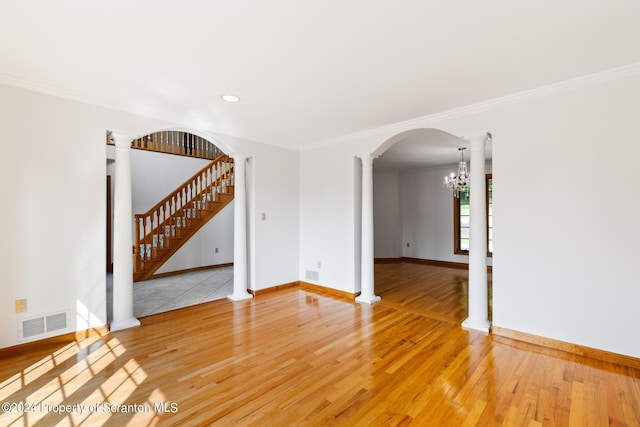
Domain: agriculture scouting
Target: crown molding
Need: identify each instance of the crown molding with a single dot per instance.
(394, 128)
(519, 97)
(60, 92)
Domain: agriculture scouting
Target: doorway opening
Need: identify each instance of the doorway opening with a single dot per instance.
(414, 224)
(187, 183)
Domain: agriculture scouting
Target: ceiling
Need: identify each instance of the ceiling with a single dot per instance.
(307, 72)
(426, 148)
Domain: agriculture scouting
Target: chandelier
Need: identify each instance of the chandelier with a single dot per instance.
(458, 183)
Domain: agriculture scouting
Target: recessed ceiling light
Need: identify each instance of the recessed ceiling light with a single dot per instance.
(230, 98)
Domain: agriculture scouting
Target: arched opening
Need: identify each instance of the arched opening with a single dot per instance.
(415, 227)
(188, 226)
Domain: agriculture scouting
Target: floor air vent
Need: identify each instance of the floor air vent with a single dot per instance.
(37, 326)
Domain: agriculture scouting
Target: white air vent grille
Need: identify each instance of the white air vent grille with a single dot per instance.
(33, 327)
(312, 275)
(43, 325)
(57, 321)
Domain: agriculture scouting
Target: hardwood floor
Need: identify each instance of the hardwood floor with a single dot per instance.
(294, 357)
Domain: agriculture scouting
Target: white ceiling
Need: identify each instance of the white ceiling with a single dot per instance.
(426, 148)
(307, 71)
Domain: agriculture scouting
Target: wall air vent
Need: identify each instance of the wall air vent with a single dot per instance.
(32, 327)
(56, 322)
(41, 326)
(312, 275)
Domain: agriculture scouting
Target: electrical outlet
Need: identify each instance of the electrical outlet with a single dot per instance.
(408, 244)
(21, 305)
(216, 250)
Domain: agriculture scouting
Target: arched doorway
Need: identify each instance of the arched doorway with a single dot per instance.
(189, 142)
(409, 171)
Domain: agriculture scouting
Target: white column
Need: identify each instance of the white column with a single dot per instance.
(239, 231)
(478, 319)
(367, 292)
(122, 238)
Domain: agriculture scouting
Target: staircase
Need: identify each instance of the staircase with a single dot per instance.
(161, 231)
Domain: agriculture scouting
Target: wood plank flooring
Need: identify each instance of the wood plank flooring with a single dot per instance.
(294, 357)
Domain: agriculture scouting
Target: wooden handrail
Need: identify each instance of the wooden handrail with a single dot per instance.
(176, 142)
(191, 179)
(164, 221)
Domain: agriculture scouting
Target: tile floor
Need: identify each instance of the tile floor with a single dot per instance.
(182, 290)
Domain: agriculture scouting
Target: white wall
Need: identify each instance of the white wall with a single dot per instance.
(274, 190)
(52, 179)
(565, 243)
(412, 207)
(427, 212)
(154, 175)
(327, 218)
(357, 222)
(566, 247)
(387, 225)
(199, 251)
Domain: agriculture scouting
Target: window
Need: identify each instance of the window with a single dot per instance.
(461, 221)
